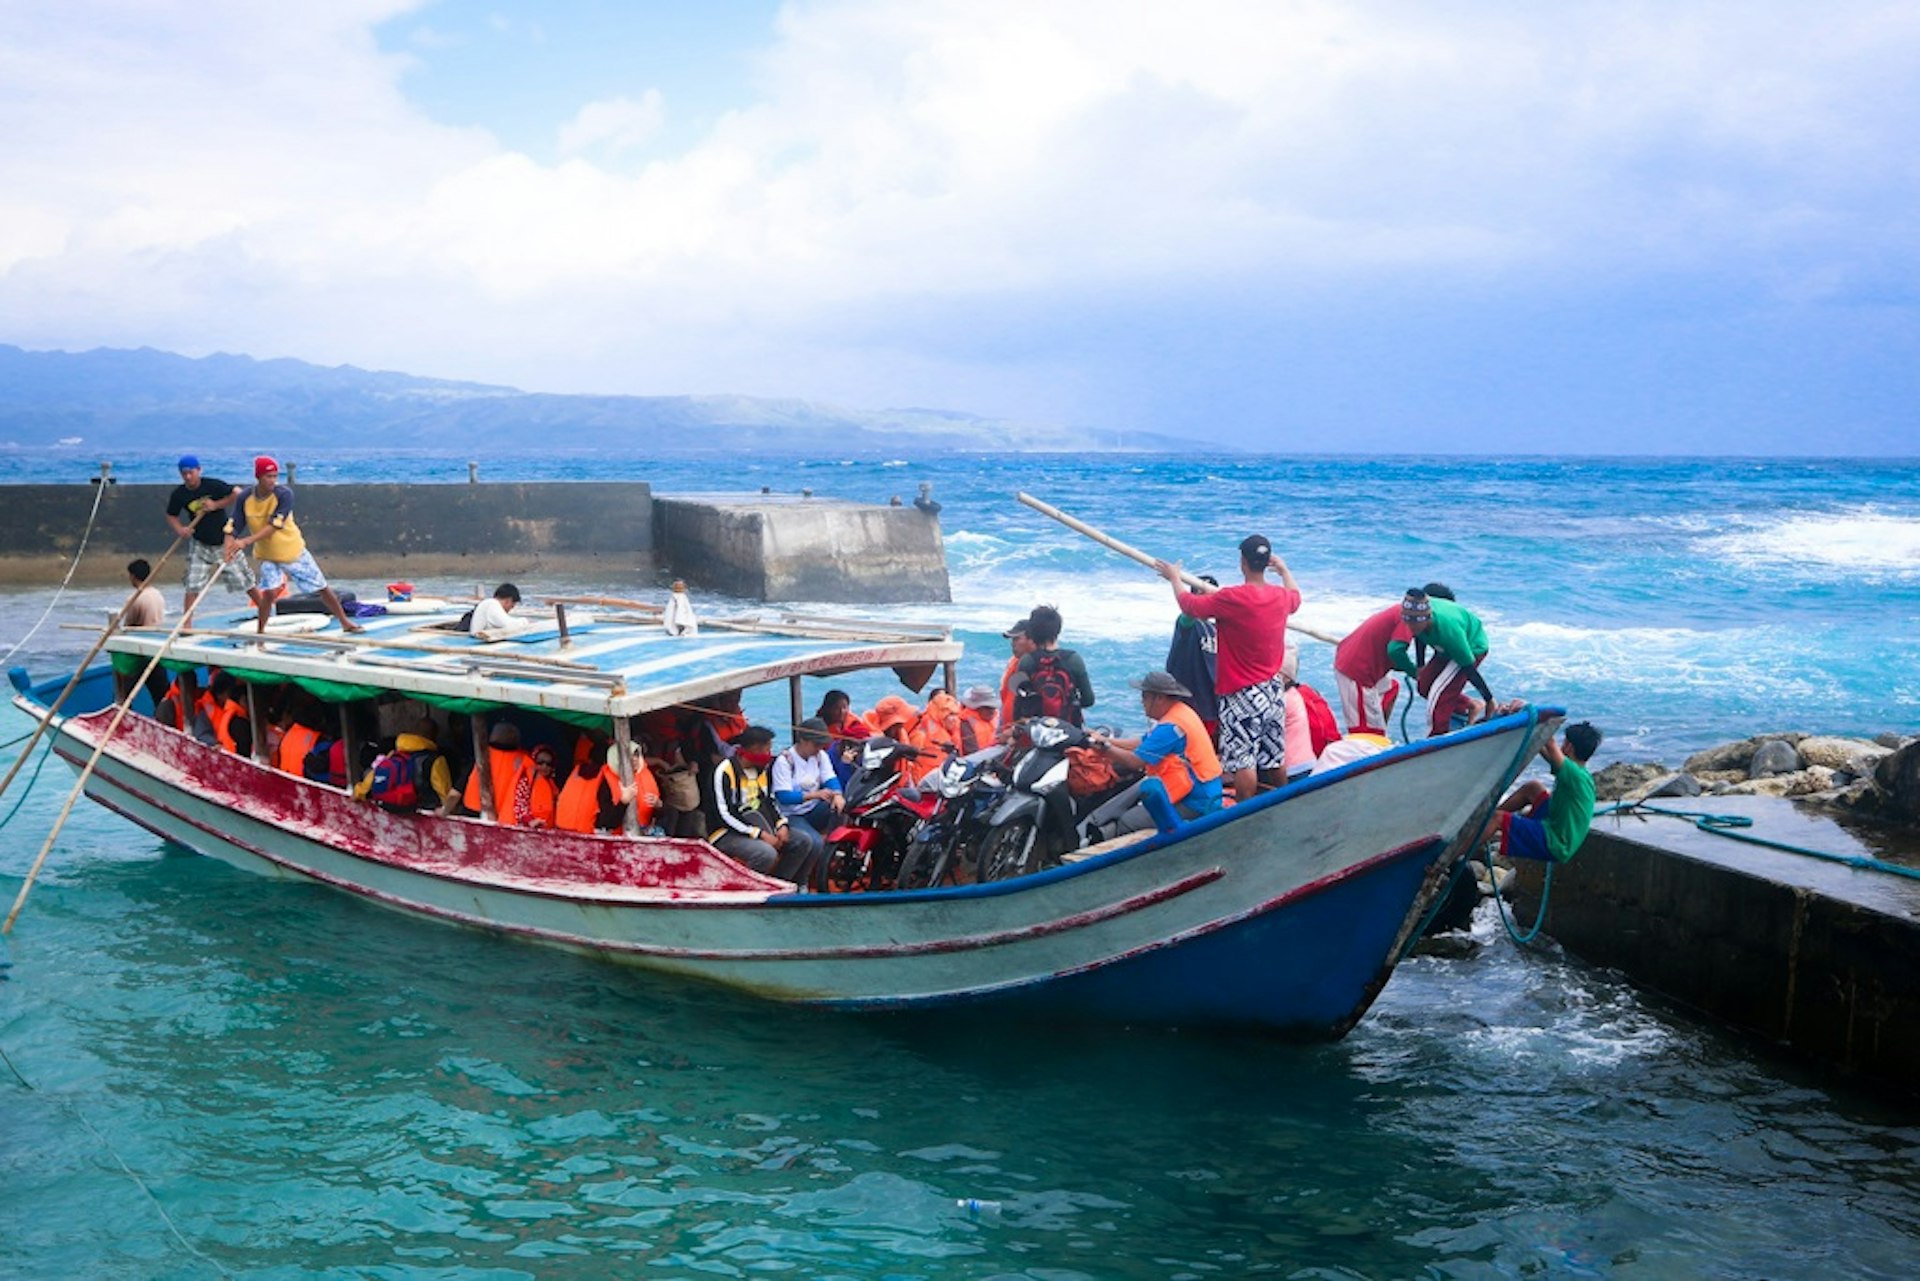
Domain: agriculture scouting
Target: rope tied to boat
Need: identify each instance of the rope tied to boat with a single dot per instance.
(1732, 826)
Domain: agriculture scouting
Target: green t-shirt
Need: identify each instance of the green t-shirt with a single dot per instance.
(1456, 632)
(1571, 813)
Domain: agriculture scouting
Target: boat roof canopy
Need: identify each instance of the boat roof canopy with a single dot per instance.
(611, 665)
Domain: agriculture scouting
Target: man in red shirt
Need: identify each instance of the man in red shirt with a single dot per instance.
(1251, 619)
(1363, 670)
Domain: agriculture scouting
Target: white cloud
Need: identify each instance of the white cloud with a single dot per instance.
(222, 174)
(613, 126)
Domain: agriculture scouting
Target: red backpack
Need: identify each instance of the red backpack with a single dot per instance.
(1049, 690)
(1320, 722)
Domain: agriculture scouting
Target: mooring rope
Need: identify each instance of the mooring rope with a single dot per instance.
(99, 492)
(1729, 825)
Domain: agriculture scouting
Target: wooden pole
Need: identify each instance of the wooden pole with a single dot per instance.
(348, 757)
(259, 730)
(560, 618)
(120, 714)
(74, 680)
(1134, 553)
(484, 764)
(796, 705)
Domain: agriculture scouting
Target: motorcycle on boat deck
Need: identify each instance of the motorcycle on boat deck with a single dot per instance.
(970, 789)
(865, 851)
(1035, 822)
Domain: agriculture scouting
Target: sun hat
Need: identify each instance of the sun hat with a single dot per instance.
(983, 697)
(1161, 683)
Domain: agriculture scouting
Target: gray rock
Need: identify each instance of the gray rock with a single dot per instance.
(1890, 740)
(1731, 756)
(1621, 777)
(1670, 784)
(1897, 779)
(1770, 759)
(1799, 783)
(1837, 753)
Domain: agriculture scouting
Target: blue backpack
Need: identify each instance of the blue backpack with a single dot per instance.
(402, 779)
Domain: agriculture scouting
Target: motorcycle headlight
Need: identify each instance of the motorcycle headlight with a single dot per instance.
(952, 779)
(1048, 732)
(1052, 778)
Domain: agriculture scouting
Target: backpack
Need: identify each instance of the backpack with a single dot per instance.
(401, 780)
(318, 762)
(1049, 690)
(1320, 722)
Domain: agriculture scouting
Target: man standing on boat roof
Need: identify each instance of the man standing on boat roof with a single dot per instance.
(278, 546)
(1251, 617)
(195, 499)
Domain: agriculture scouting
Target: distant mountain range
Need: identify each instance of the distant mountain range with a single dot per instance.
(119, 398)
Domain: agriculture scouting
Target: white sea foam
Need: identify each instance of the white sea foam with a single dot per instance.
(1861, 539)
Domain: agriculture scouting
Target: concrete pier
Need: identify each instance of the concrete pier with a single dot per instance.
(780, 547)
(1814, 955)
(764, 547)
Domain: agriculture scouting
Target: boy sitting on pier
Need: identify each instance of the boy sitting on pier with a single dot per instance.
(1548, 824)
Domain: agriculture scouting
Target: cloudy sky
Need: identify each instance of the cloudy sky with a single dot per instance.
(1585, 226)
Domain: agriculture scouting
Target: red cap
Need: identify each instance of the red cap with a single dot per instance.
(262, 465)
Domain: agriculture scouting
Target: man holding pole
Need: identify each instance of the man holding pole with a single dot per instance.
(279, 547)
(1252, 620)
(190, 511)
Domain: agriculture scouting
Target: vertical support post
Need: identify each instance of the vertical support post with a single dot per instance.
(623, 746)
(950, 672)
(560, 617)
(348, 757)
(796, 706)
(478, 724)
(259, 730)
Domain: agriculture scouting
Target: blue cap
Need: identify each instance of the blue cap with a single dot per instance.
(188, 460)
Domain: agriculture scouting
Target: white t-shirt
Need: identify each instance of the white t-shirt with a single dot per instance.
(792, 774)
(492, 616)
(146, 609)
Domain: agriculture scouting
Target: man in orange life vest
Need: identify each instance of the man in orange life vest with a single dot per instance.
(1183, 771)
(510, 772)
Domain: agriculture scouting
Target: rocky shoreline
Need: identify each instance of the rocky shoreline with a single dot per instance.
(1877, 777)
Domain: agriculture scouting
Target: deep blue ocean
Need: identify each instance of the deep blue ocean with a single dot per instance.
(218, 1075)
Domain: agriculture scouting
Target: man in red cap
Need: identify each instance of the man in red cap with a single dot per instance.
(278, 547)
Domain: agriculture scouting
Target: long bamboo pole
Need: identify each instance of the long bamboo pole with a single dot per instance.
(120, 714)
(73, 681)
(1134, 553)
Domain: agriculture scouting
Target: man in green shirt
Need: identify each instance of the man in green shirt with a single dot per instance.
(1548, 824)
(1460, 645)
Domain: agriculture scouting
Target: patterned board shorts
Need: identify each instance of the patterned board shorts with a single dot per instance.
(301, 571)
(1253, 726)
(204, 565)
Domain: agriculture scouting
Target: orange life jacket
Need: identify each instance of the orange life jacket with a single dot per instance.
(507, 769)
(294, 746)
(1199, 763)
(646, 792)
(221, 716)
(976, 730)
(544, 797)
(172, 711)
(1007, 684)
(579, 806)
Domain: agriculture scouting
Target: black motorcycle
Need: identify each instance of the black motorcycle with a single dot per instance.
(970, 790)
(1035, 821)
(865, 851)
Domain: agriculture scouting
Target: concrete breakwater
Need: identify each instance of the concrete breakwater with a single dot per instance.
(1773, 884)
(762, 546)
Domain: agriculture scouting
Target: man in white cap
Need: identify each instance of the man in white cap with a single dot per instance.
(1182, 770)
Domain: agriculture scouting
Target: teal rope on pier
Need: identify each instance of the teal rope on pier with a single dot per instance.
(1728, 825)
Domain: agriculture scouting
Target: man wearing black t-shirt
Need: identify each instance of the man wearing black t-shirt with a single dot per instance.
(193, 498)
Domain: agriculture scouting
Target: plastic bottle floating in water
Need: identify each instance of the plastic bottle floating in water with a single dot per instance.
(978, 1209)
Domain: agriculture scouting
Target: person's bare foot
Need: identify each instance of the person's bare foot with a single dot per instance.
(346, 625)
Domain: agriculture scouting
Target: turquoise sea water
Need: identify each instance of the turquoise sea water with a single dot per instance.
(222, 1075)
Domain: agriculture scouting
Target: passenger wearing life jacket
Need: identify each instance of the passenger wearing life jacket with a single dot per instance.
(544, 792)
(510, 774)
(846, 731)
(300, 739)
(894, 717)
(413, 777)
(1021, 644)
(591, 799)
(1182, 768)
(936, 730)
(171, 710)
(218, 714)
(975, 726)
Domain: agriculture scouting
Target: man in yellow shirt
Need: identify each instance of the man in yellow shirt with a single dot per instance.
(278, 547)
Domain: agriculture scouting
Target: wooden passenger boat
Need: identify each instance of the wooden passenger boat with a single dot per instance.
(1286, 913)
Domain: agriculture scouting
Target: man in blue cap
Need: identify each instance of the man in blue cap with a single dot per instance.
(192, 499)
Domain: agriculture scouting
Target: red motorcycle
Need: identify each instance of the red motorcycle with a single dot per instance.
(865, 851)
